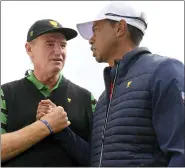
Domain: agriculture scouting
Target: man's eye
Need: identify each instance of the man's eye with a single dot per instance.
(95, 30)
(63, 45)
(50, 44)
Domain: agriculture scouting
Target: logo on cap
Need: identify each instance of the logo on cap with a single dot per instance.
(31, 33)
(54, 23)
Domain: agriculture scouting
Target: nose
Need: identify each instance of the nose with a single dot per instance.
(91, 40)
(58, 48)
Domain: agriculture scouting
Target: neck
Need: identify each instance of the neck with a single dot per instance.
(47, 79)
(119, 53)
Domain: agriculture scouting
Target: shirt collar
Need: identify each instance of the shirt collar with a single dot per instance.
(31, 77)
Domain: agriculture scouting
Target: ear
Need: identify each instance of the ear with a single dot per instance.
(28, 47)
(122, 28)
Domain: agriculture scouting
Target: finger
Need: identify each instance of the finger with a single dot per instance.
(50, 110)
(51, 107)
(40, 115)
(68, 123)
(64, 114)
(51, 103)
(60, 108)
(44, 108)
(45, 112)
(45, 101)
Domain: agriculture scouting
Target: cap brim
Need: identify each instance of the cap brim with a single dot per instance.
(67, 32)
(85, 29)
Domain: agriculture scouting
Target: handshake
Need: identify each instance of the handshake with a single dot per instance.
(55, 116)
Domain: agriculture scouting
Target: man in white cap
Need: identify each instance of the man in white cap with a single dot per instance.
(139, 118)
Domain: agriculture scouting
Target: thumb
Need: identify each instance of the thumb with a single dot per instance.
(68, 123)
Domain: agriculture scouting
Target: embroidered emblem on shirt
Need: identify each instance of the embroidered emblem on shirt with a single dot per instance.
(128, 84)
(69, 100)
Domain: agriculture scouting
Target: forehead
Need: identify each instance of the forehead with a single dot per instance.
(56, 36)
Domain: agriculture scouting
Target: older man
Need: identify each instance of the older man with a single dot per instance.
(139, 118)
(30, 143)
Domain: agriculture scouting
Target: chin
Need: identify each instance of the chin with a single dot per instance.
(99, 60)
(57, 69)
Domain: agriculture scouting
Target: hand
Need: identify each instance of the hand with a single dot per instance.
(57, 119)
(45, 106)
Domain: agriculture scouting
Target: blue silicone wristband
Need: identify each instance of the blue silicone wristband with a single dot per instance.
(47, 124)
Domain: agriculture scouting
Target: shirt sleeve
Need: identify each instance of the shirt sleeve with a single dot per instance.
(168, 110)
(3, 117)
(93, 103)
(79, 151)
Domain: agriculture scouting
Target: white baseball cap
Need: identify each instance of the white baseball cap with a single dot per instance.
(115, 11)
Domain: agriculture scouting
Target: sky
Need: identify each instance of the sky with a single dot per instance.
(164, 36)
